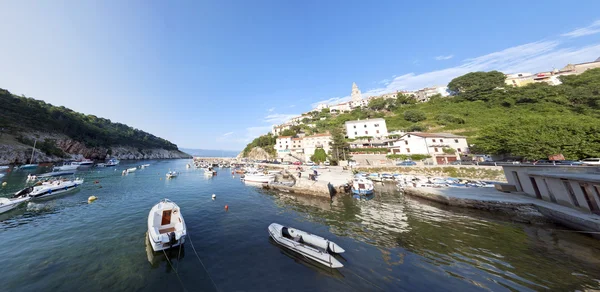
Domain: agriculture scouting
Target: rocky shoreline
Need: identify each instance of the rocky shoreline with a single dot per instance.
(14, 152)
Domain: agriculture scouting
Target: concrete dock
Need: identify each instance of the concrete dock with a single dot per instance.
(334, 175)
(491, 199)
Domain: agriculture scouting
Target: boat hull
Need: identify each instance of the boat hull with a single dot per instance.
(14, 203)
(318, 255)
(166, 227)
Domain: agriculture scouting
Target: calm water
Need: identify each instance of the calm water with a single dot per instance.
(392, 243)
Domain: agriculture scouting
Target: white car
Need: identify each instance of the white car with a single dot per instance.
(591, 161)
(309, 163)
(326, 163)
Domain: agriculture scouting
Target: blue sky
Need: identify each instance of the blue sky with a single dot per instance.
(215, 74)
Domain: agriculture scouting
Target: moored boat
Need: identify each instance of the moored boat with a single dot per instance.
(66, 166)
(112, 162)
(7, 204)
(362, 186)
(259, 177)
(49, 189)
(309, 245)
(130, 170)
(172, 174)
(166, 227)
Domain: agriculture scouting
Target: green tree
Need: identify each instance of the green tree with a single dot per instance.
(377, 104)
(288, 132)
(414, 116)
(319, 156)
(403, 99)
(339, 146)
(472, 85)
(449, 150)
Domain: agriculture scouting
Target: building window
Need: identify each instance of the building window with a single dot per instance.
(458, 150)
(365, 126)
(355, 133)
(407, 150)
(433, 140)
(455, 140)
(441, 140)
(354, 126)
(405, 142)
(376, 125)
(435, 149)
(366, 132)
(377, 131)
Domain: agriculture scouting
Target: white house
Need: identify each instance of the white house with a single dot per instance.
(322, 106)
(340, 108)
(283, 146)
(432, 144)
(424, 94)
(366, 128)
(278, 129)
(311, 143)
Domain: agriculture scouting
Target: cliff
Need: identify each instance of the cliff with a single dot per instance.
(13, 151)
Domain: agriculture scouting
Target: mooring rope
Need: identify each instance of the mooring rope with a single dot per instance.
(211, 280)
(176, 272)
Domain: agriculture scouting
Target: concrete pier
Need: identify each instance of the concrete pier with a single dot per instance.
(493, 200)
(334, 175)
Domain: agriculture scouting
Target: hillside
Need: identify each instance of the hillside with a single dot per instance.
(532, 122)
(62, 133)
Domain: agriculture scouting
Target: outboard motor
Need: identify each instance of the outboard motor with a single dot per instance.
(172, 239)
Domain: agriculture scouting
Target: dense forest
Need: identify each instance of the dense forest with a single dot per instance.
(531, 122)
(20, 114)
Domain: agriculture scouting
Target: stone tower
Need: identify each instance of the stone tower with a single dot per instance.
(356, 96)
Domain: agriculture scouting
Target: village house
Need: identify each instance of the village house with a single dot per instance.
(301, 148)
(366, 128)
(432, 144)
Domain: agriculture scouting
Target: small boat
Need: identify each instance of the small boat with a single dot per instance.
(172, 174)
(101, 165)
(187, 165)
(387, 177)
(49, 189)
(362, 186)
(4, 167)
(144, 166)
(66, 166)
(209, 172)
(374, 177)
(7, 204)
(166, 227)
(31, 165)
(309, 245)
(259, 178)
(85, 162)
(112, 162)
(130, 170)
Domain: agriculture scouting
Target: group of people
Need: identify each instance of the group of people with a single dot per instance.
(312, 176)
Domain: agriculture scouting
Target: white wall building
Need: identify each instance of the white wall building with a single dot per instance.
(423, 95)
(431, 144)
(311, 143)
(322, 106)
(283, 146)
(278, 129)
(340, 108)
(366, 128)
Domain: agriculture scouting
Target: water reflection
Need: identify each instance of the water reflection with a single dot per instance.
(472, 246)
(173, 255)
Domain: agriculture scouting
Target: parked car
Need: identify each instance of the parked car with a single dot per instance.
(276, 162)
(309, 163)
(297, 163)
(406, 163)
(591, 161)
(286, 163)
(326, 163)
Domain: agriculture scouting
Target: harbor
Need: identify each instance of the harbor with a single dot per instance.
(392, 241)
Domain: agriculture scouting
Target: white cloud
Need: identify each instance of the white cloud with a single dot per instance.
(440, 58)
(593, 28)
(227, 134)
(278, 118)
(271, 109)
(291, 106)
(333, 100)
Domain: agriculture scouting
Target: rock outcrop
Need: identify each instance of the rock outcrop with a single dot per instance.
(257, 153)
(13, 152)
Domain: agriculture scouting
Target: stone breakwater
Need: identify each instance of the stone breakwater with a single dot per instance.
(332, 178)
(12, 151)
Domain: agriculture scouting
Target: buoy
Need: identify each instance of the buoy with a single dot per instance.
(226, 208)
(92, 198)
(4, 184)
(97, 182)
(214, 196)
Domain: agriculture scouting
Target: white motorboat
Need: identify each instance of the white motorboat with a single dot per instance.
(66, 166)
(374, 177)
(172, 174)
(31, 165)
(362, 186)
(4, 167)
(209, 172)
(112, 162)
(259, 177)
(49, 189)
(309, 245)
(144, 166)
(7, 204)
(85, 162)
(166, 227)
(1, 175)
(130, 170)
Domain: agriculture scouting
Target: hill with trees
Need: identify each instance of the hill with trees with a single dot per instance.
(531, 122)
(21, 117)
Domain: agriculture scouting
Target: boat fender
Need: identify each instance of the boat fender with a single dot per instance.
(4, 184)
